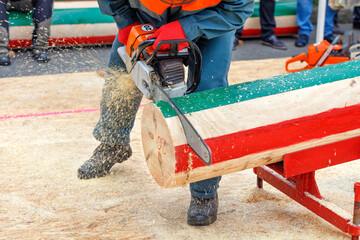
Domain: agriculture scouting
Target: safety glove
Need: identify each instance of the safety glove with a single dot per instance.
(170, 31)
(123, 33)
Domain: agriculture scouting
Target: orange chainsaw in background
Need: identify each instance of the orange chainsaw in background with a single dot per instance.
(325, 53)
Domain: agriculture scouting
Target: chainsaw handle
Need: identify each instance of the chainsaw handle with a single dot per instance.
(192, 48)
(197, 65)
(299, 58)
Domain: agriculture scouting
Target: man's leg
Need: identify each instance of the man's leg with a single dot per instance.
(119, 104)
(356, 19)
(41, 34)
(238, 34)
(337, 29)
(4, 34)
(267, 21)
(216, 55)
(303, 14)
(329, 23)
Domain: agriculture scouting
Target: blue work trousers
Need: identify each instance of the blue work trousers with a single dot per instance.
(121, 99)
(303, 14)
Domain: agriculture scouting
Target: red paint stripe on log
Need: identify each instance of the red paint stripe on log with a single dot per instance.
(92, 40)
(274, 136)
(255, 32)
(66, 41)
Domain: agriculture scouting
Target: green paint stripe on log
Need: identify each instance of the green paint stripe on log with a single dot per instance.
(93, 15)
(260, 88)
(64, 16)
(281, 9)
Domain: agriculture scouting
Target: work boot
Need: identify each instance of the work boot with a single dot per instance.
(103, 158)
(302, 41)
(338, 30)
(40, 55)
(202, 211)
(274, 42)
(40, 39)
(356, 25)
(4, 51)
(330, 38)
(4, 59)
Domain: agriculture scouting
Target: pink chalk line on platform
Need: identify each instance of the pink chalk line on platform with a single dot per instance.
(52, 113)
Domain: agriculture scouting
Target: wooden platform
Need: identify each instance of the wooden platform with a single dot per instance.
(46, 127)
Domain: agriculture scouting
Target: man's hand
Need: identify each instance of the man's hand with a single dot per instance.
(170, 31)
(123, 33)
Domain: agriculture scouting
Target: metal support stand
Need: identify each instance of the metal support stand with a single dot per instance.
(295, 177)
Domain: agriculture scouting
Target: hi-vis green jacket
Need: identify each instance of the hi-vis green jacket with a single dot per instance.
(198, 18)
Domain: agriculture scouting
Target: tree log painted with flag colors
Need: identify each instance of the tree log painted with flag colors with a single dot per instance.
(82, 23)
(253, 123)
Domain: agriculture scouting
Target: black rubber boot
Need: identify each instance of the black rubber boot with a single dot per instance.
(103, 158)
(40, 56)
(4, 59)
(4, 51)
(202, 212)
(302, 41)
(40, 39)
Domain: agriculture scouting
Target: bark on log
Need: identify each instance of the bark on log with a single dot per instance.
(252, 124)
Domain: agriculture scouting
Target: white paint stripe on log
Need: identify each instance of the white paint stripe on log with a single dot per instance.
(281, 21)
(268, 110)
(75, 4)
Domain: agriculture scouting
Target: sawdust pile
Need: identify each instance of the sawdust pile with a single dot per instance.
(42, 198)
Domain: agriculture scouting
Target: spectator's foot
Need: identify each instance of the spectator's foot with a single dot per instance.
(274, 42)
(104, 157)
(330, 38)
(4, 59)
(202, 211)
(40, 56)
(302, 41)
(237, 42)
(356, 25)
(337, 30)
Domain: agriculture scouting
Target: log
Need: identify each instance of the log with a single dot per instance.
(252, 124)
(80, 22)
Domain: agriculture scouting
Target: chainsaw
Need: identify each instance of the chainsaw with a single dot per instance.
(325, 53)
(160, 75)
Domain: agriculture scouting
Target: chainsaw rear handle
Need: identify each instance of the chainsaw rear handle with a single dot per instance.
(173, 52)
(299, 58)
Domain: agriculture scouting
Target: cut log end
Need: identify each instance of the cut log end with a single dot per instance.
(158, 145)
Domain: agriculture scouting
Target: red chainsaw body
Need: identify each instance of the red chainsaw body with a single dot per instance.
(138, 34)
(313, 55)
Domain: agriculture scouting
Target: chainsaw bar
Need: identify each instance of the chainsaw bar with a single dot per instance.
(327, 52)
(193, 138)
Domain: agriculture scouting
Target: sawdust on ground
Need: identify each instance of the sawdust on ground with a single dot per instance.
(42, 198)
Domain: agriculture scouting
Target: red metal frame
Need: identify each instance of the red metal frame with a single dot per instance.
(295, 177)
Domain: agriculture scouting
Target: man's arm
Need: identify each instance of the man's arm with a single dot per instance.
(228, 15)
(120, 10)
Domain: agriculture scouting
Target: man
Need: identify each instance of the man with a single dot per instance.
(209, 23)
(356, 17)
(42, 12)
(303, 14)
(268, 24)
